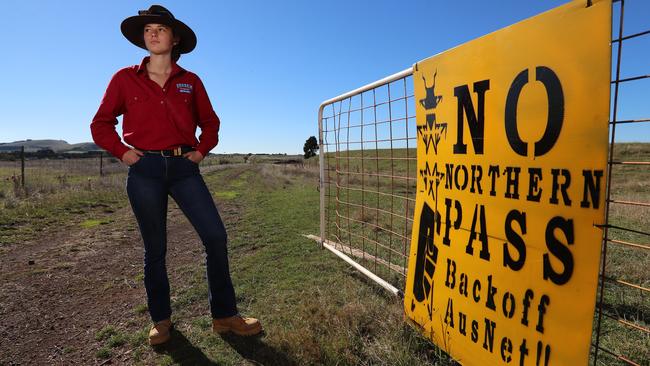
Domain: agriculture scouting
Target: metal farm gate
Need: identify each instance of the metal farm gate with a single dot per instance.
(368, 173)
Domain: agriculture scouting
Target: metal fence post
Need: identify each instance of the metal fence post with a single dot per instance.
(22, 166)
(321, 181)
(101, 163)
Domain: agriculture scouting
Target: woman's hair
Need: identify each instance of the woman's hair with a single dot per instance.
(176, 54)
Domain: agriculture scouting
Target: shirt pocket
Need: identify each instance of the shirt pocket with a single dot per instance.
(182, 108)
(182, 100)
(135, 101)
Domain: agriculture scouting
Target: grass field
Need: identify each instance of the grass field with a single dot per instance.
(626, 264)
(315, 308)
(353, 220)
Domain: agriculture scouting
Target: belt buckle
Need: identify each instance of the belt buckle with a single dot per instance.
(174, 152)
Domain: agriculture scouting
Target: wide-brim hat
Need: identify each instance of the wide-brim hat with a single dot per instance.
(133, 28)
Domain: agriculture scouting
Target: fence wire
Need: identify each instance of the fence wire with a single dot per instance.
(368, 149)
(621, 331)
(368, 141)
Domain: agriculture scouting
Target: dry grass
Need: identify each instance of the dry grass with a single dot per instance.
(368, 226)
(323, 312)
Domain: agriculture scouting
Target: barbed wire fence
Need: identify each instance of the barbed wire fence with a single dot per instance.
(26, 172)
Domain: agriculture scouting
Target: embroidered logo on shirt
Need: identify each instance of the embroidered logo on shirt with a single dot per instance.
(184, 88)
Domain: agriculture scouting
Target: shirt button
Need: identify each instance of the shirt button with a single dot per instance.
(164, 89)
(161, 102)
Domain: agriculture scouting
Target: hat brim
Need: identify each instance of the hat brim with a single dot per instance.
(133, 29)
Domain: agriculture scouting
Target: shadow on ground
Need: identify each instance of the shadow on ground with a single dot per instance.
(184, 353)
(254, 349)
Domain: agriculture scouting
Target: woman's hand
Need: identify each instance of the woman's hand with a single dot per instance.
(132, 156)
(195, 156)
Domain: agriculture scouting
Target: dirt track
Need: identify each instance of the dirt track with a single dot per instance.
(58, 291)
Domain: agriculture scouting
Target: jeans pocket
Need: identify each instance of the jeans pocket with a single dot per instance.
(137, 162)
(191, 161)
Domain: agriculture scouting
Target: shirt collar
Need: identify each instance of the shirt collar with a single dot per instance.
(175, 68)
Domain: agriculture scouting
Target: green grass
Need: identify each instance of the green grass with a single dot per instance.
(103, 353)
(117, 340)
(105, 333)
(226, 195)
(53, 201)
(111, 337)
(314, 307)
(54, 210)
(628, 264)
(94, 222)
(141, 309)
(348, 224)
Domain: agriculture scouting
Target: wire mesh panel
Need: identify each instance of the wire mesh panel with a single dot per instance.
(369, 149)
(368, 186)
(621, 329)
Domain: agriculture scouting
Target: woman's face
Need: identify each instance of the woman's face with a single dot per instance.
(159, 38)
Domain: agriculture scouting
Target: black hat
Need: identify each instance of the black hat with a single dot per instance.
(133, 27)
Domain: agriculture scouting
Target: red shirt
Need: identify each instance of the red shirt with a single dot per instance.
(155, 118)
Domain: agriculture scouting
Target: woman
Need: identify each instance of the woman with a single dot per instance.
(162, 105)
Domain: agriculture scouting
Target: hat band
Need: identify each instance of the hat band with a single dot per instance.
(159, 13)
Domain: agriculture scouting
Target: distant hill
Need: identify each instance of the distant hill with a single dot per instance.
(58, 146)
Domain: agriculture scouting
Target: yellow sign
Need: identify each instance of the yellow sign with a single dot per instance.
(512, 146)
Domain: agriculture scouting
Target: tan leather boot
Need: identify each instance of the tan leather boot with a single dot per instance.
(160, 332)
(238, 325)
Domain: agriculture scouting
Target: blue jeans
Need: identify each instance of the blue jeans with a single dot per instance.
(150, 180)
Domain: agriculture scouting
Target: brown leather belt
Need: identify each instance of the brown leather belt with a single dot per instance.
(179, 151)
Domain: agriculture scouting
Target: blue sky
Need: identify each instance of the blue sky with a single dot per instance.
(267, 65)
